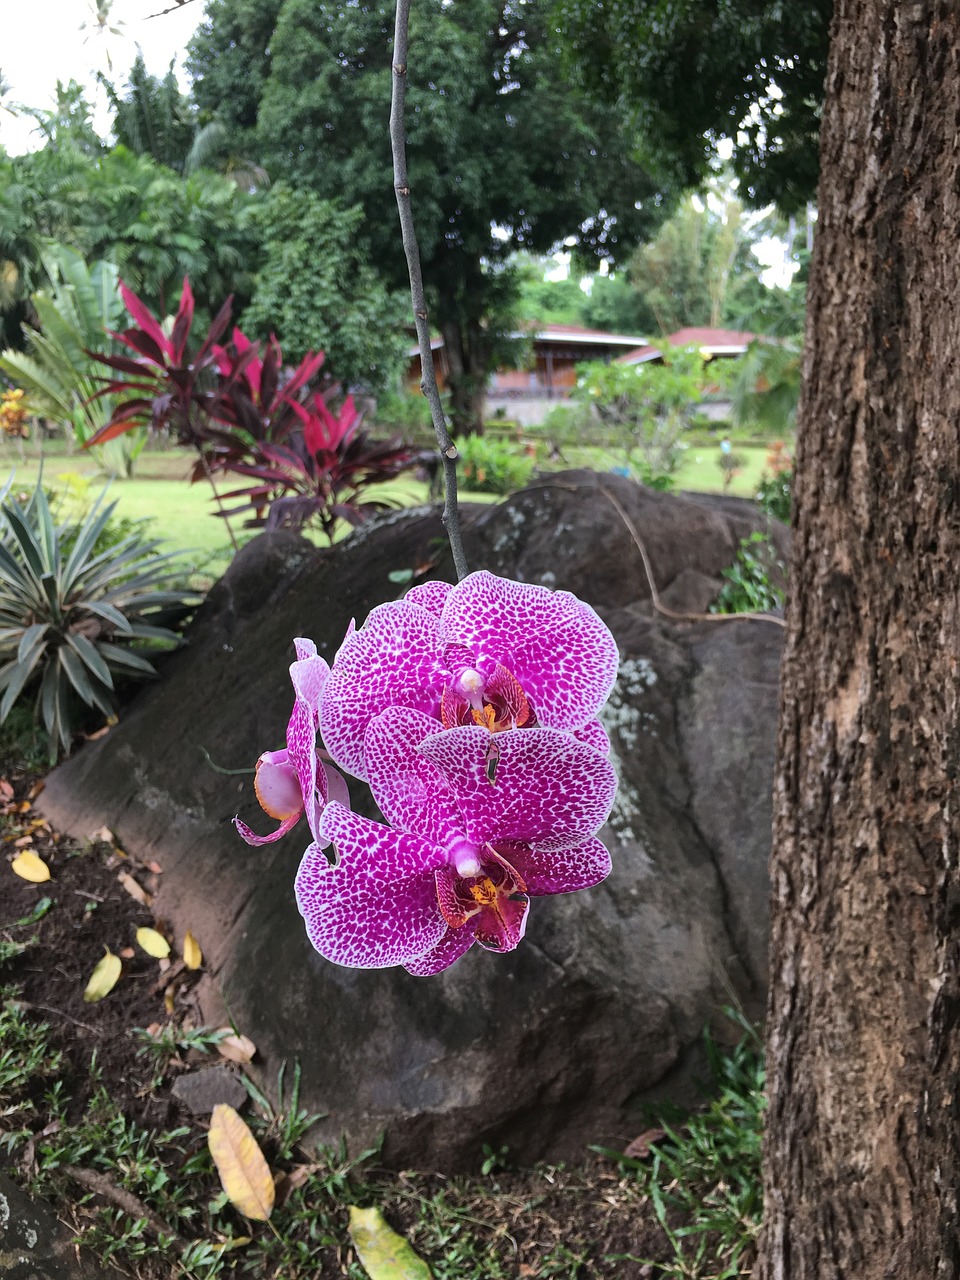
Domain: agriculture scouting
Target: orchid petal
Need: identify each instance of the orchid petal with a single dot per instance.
(564, 656)
(566, 871)
(448, 951)
(309, 674)
(429, 595)
(412, 793)
(378, 906)
(277, 787)
(336, 785)
(251, 837)
(548, 786)
(595, 735)
(391, 661)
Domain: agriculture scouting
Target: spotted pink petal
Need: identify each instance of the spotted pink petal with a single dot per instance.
(448, 951)
(378, 906)
(250, 836)
(429, 595)
(392, 661)
(565, 871)
(308, 674)
(595, 735)
(412, 793)
(548, 786)
(557, 647)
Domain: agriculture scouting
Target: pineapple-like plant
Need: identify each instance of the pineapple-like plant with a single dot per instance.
(75, 613)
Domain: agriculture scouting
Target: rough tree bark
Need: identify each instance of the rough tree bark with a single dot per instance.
(863, 1146)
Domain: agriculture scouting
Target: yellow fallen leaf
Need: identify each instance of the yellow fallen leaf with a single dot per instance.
(383, 1254)
(192, 955)
(236, 1048)
(30, 866)
(243, 1171)
(153, 943)
(103, 979)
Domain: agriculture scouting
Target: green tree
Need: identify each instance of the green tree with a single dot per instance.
(152, 117)
(315, 291)
(691, 271)
(502, 154)
(693, 71)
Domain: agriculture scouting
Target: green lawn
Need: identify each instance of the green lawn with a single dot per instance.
(183, 514)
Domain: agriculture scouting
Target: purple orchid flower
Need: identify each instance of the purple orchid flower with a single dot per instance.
(463, 856)
(489, 651)
(289, 782)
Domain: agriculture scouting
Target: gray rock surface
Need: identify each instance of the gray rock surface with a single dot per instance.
(35, 1245)
(604, 1004)
(201, 1091)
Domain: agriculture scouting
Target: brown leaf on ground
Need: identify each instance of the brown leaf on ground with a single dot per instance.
(134, 888)
(641, 1146)
(236, 1048)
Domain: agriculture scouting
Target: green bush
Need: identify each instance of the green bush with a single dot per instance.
(408, 413)
(492, 466)
(752, 580)
(78, 607)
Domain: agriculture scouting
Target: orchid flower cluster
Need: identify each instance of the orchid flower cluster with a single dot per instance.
(471, 712)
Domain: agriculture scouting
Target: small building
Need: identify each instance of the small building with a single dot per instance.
(527, 395)
(711, 343)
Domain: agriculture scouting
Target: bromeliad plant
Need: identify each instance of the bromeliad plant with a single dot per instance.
(471, 711)
(245, 415)
(72, 611)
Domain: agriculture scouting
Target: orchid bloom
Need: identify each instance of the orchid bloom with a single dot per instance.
(289, 782)
(489, 651)
(462, 856)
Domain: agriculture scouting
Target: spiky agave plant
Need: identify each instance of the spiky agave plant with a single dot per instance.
(70, 610)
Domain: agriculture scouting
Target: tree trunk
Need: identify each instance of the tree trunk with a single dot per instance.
(862, 1160)
(467, 374)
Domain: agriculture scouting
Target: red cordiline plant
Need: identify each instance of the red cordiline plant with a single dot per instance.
(247, 416)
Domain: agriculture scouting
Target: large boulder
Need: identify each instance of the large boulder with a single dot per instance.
(603, 1005)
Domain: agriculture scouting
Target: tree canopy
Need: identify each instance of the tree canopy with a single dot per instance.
(502, 153)
(692, 71)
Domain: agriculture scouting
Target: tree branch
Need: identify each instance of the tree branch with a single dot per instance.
(428, 382)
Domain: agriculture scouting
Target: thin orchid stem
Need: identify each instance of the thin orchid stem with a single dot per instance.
(428, 382)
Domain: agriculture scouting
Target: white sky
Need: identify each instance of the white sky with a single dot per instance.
(41, 42)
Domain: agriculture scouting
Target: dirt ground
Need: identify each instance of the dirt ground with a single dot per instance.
(100, 895)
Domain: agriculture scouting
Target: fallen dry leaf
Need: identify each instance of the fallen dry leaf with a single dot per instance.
(640, 1147)
(383, 1254)
(134, 889)
(29, 866)
(192, 955)
(103, 979)
(34, 790)
(168, 1001)
(6, 791)
(155, 867)
(236, 1048)
(153, 943)
(23, 841)
(103, 835)
(244, 1173)
(127, 953)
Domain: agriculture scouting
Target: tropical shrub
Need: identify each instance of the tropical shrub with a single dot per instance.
(77, 615)
(74, 314)
(246, 415)
(646, 408)
(493, 466)
(753, 580)
(775, 492)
